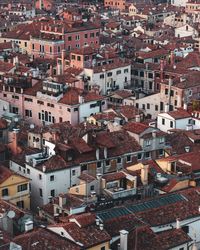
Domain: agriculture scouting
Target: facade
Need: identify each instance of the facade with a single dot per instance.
(14, 188)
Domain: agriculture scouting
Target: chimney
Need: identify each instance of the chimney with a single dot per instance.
(172, 58)
(97, 153)
(166, 108)
(137, 118)
(51, 70)
(63, 60)
(144, 174)
(105, 152)
(123, 240)
(28, 226)
(185, 106)
(177, 223)
(62, 201)
(44, 169)
(80, 99)
(101, 226)
(161, 70)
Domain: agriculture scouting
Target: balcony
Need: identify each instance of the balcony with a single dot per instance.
(116, 193)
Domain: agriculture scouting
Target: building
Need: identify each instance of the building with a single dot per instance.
(14, 188)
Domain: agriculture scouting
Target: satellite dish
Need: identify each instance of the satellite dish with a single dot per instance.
(11, 214)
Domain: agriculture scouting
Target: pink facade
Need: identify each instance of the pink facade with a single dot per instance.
(53, 39)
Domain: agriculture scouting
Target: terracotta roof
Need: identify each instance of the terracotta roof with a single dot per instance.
(86, 177)
(43, 238)
(135, 127)
(179, 114)
(89, 235)
(114, 176)
(85, 219)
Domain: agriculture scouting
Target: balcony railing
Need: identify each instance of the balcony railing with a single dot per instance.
(117, 193)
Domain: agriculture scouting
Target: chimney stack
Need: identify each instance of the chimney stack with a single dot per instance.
(144, 174)
(123, 240)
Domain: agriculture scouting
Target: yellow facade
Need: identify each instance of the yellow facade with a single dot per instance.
(24, 45)
(12, 186)
(99, 247)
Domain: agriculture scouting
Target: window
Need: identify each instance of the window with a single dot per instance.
(163, 121)
(50, 49)
(128, 158)
(101, 76)
(28, 171)
(119, 72)
(150, 85)
(4, 192)
(93, 105)
(33, 46)
(150, 75)
(109, 74)
(77, 37)
(139, 156)
(108, 163)
(28, 113)
(52, 178)
(73, 172)
(119, 160)
(125, 70)
(166, 91)
(86, 35)
(73, 57)
(40, 176)
(171, 124)
(22, 187)
(161, 140)
(147, 155)
(92, 188)
(147, 142)
(143, 106)
(53, 192)
(40, 192)
(92, 35)
(28, 99)
(161, 152)
(15, 110)
(20, 204)
(69, 38)
(98, 164)
(148, 106)
(84, 167)
(75, 109)
(156, 107)
(103, 248)
(141, 73)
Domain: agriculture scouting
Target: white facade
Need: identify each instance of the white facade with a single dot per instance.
(61, 181)
(185, 30)
(166, 122)
(179, 3)
(86, 109)
(44, 183)
(150, 104)
(109, 79)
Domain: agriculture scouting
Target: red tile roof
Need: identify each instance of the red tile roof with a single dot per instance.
(135, 127)
(114, 176)
(43, 238)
